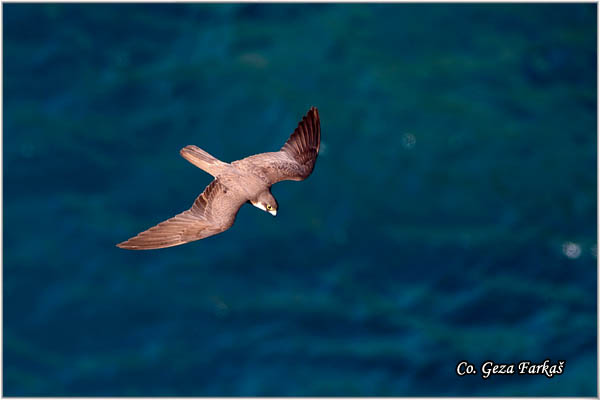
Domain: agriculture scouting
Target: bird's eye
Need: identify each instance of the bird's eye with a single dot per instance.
(269, 208)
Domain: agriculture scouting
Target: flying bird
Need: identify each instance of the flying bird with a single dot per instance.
(248, 180)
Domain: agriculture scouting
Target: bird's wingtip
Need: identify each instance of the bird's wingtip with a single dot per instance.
(122, 245)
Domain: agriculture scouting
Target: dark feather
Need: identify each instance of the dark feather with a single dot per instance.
(296, 159)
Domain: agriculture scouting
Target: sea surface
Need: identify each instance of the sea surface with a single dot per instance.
(451, 214)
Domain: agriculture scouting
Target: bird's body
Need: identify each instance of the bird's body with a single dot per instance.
(246, 180)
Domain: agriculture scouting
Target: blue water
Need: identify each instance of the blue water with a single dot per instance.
(451, 215)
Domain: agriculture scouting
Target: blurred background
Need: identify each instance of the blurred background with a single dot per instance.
(451, 215)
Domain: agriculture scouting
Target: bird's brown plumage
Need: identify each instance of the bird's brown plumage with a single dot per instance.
(214, 211)
(296, 159)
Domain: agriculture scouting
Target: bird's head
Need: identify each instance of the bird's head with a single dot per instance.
(266, 202)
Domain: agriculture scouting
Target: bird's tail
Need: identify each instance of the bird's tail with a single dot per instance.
(203, 160)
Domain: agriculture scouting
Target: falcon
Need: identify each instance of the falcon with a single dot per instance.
(248, 180)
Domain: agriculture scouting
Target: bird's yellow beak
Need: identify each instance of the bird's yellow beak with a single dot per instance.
(273, 213)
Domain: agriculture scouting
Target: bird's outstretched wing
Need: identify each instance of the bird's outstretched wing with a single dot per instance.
(213, 212)
(296, 159)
